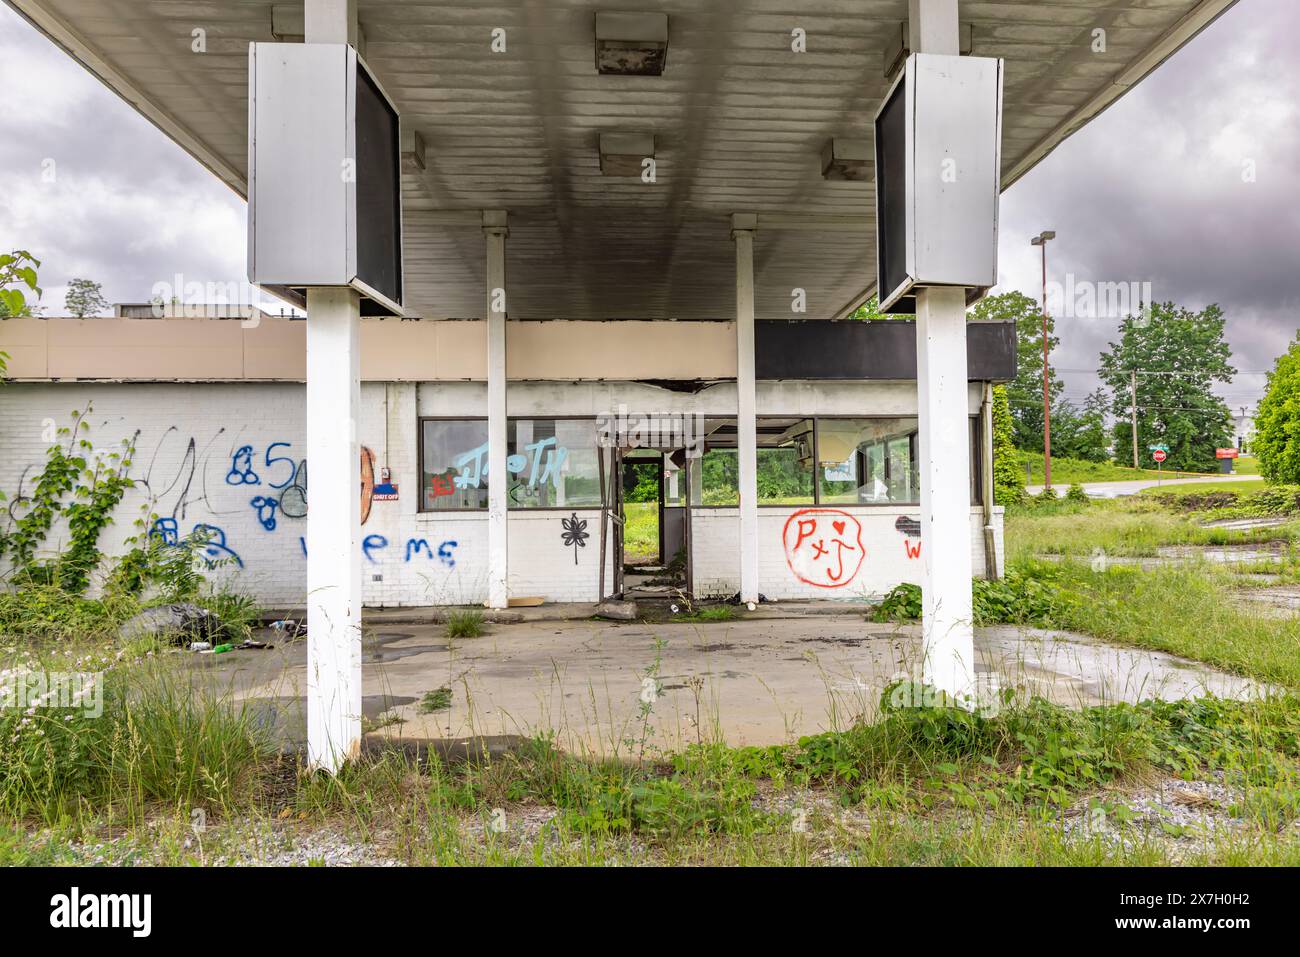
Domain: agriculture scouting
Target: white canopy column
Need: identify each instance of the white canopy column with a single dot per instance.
(334, 514)
(948, 649)
(742, 233)
(495, 233)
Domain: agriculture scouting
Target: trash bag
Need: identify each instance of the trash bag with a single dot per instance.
(178, 624)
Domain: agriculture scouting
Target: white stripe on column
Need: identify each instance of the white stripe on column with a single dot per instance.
(948, 653)
(333, 529)
(746, 405)
(495, 232)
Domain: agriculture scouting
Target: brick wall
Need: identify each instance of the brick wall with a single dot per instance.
(878, 555)
(191, 471)
(210, 453)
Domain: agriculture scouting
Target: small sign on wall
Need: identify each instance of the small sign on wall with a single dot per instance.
(385, 488)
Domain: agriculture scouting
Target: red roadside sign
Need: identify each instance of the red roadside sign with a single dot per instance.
(1159, 455)
(1226, 453)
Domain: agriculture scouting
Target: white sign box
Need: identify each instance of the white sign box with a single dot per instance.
(324, 175)
(938, 156)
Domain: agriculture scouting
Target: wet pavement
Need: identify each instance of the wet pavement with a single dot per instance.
(619, 688)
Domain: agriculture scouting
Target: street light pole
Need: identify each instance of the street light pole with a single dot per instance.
(1041, 241)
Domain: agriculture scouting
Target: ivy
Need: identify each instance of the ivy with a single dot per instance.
(1008, 482)
(90, 512)
(86, 494)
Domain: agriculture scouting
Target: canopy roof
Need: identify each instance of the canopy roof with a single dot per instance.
(739, 123)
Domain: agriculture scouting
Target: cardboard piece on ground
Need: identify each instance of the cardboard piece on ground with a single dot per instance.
(525, 602)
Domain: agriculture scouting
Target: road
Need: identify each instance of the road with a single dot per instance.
(1116, 489)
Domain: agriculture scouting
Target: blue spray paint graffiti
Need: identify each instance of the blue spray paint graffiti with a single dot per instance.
(241, 468)
(214, 550)
(416, 545)
(544, 467)
(265, 506)
(373, 543)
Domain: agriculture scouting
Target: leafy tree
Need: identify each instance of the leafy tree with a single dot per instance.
(1178, 356)
(870, 310)
(1008, 479)
(1277, 421)
(1080, 433)
(1025, 392)
(85, 298)
(17, 279)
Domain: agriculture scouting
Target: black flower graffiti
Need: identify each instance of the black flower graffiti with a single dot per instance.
(575, 533)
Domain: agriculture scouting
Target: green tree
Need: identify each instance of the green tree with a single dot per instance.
(85, 298)
(1080, 433)
(17, 279)
(1025, 392)
(1008, 479)
(1277, 421)
(870, 310)
(1178, 355)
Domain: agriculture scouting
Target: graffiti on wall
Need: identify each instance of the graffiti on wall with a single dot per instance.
(823, 546)
(574, 534)
(280, 481)
(910, 529)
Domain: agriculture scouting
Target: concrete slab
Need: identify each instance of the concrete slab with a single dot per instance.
(612, 688)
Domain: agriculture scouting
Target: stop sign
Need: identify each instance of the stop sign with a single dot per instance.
(1159, 455)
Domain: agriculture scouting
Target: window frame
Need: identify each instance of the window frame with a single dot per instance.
(419, 431)
(976, 472)
(419, 460)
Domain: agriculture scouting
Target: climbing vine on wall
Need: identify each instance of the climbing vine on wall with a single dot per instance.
(1008, 483)
(85, 487)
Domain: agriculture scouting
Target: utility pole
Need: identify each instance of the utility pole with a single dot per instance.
(1133, 410)
(1041, 241)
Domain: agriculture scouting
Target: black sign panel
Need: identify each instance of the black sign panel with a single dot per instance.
(379, 196)
(891, 199)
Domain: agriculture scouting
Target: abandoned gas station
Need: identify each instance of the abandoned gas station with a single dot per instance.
(552, 242)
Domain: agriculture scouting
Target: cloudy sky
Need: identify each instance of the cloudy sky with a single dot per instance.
(1189, 183)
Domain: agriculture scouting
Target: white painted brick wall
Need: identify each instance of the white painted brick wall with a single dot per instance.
(411, 558)
(715, 537)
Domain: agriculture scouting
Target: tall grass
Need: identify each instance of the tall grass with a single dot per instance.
(162, 739)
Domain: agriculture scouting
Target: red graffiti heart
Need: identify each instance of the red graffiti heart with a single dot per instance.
(839, 527)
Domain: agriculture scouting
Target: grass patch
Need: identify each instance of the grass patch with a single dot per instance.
(711, 613)
(1132, 527)
(160, 739)
(437, 700)
(641, 531)
(1068, 471)
(465, 624)
(1184, 610)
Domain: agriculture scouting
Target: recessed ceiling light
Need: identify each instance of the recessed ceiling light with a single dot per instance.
(622, 154)
(846, 159)
(631, 44)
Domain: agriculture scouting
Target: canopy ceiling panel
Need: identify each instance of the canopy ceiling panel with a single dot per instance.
(739, 121)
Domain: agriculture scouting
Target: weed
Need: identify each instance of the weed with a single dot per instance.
(465, 624)
(436, 700)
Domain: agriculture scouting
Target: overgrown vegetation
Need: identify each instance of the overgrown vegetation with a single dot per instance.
(164, 749)
(1277, 420)
(49, 595)
(1020, 597)
(465, 624)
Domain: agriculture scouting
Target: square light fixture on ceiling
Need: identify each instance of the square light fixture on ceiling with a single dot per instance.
(631, 44)
(847, 160)
(624, 154)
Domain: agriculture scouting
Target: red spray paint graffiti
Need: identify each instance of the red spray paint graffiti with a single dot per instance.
(823, 546)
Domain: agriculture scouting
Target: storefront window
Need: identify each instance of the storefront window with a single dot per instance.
(784, 460)
(867, 461)
(553, 463)
(453, 456)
